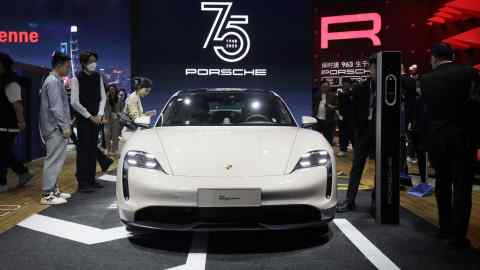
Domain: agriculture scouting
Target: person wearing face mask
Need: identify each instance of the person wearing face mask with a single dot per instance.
(88, 100)
(446, 91)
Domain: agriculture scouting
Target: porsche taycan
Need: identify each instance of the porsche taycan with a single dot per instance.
(226, 159)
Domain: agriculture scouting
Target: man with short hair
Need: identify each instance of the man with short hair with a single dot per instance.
(55, 127)
(88, 99)
(13, 122)
(446, 92)
(364, 107)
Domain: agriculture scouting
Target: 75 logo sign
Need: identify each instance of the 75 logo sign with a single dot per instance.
(229, 39)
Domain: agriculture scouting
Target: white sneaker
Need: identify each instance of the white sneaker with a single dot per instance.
(51, 199)
(341, 154)
(63, 195)
(3, 188)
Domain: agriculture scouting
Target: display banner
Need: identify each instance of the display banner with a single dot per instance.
(31, 30)
(350, 31)
(182, 44)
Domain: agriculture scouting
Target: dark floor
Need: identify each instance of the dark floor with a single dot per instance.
(410, 245)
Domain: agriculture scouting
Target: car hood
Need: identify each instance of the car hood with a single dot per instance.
(227, 151)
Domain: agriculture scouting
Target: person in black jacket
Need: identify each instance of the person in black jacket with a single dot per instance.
(345, 124)
(323, 109)
(446, 91)
(363, 120)
(13, 122)
(413, 122)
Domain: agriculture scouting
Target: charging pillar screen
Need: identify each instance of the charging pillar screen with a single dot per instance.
(387, 165)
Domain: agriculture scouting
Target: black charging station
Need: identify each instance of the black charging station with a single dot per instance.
(387, 167)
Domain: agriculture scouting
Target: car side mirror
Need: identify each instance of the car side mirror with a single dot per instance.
(308, 121)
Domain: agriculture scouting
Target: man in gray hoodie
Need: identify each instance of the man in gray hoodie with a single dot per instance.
(55, 127)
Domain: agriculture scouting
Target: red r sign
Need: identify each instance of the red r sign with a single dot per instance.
(364, 17)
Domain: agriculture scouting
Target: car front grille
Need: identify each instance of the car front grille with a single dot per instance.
(240, 216)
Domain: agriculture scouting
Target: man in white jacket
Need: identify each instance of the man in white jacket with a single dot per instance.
(88, 100)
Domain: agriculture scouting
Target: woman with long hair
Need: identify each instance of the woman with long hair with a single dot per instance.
(112, 123)
(133, 105)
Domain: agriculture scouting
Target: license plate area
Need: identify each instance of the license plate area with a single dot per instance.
(250, 197)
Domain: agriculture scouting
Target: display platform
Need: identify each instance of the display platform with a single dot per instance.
(86, 233)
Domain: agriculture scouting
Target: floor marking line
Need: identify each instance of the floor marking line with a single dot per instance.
(73, 231)
(373, 254)
(9, 207)
(197, 255)
(108, 177)
(113, 206)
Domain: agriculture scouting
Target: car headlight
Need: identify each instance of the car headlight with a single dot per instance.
(141, 159)
(313, 159)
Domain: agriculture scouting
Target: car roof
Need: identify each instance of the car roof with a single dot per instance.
(201, 90)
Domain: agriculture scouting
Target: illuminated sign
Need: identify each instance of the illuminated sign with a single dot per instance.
(230, 42)
(19, 37)
(371, 34)
(225, 72)
(336, 71)
(234, 39)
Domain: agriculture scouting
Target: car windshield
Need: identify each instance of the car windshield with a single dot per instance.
(228, 108)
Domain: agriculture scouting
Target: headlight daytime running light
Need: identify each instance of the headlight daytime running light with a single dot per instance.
(318, 158)
(313, 159)
(144, 160)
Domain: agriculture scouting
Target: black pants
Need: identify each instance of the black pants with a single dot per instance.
(7, 157)
(327, 128)
(364, 146)
(86, 151)
(415, 148)
(422, 165)
(346, 134)
(102, 159)
(453, 160)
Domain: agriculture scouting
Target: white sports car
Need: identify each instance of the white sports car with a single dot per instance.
(226, 159)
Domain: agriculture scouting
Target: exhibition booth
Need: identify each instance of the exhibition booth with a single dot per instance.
(228, 168)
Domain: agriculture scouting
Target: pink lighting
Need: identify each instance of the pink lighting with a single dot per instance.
(371, 34)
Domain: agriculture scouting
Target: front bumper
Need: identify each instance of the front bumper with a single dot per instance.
(230, 219)
(159, 201)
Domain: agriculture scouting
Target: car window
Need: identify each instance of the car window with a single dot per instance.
(242, 108)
